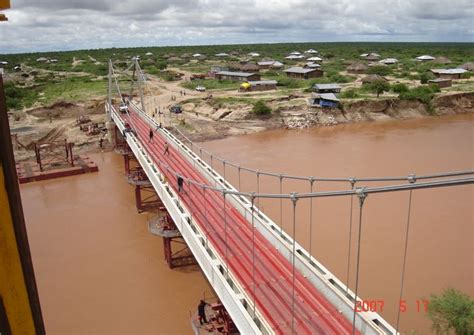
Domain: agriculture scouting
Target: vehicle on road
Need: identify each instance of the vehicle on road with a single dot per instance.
(200, 88)
(123, 108)
(176, 109)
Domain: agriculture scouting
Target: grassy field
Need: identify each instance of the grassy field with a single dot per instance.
(77, 75)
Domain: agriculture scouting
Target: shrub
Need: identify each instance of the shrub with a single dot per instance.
(399, 88)
(425, 76)
(288, 82)
(422, 93)
(452, 310)
(260, 108)
(349, 94)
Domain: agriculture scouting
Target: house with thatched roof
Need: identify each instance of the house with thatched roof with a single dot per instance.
(277, 65)
(249, 67)
(372, 56)
(175, 59)
(442, 60)
(467, 66)
(186, 55)
(357, 68)
(372, 78)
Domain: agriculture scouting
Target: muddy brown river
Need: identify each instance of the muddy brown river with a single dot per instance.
(99, 271)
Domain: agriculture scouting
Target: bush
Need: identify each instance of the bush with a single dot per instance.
(452, 310)
(260, 108)
(425, 76)
(422, 93)
(379, 87)
(18, 97)
(399, 88)
(381, 70)
(288, 82)
(349, 94)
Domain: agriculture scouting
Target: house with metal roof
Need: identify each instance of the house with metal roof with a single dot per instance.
(324, 100)
(294, 57)
(258, 85)
(310, 51)
(327, 88)
(237, 76)
(295, 53)
(277, 65)
(389, 61)
(221, 54)
(314, 59)
(253, 54)
(425, 58)
(441, 83)
(448, 73)
(303, 73)
(312, 65)
(372, 56)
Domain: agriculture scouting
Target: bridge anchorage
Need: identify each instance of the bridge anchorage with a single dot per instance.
(266, 280)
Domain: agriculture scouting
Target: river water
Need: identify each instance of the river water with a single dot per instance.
(99, 271)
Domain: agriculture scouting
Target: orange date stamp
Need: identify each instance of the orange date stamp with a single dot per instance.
(378, 306)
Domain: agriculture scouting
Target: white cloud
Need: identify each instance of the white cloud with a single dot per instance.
(38, 25)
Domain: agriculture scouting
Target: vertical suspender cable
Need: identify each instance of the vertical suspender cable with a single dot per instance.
(294, 199)
(205, 214)
(311, 180)
(362, 196)
(281, 204)
(258, 188)
(404, 257)
(223, 163)
(240, 190)
(253, 252)
(225, 235)
(349, 244)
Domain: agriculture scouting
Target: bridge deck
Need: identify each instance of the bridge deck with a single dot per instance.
(314, 314)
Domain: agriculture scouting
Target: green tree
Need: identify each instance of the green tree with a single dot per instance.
(425, 76)
(379, 87)
(452, 310)
(381, 70)
(399, 88)
(260, 108)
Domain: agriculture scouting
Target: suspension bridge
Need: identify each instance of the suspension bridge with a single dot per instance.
(268, 283)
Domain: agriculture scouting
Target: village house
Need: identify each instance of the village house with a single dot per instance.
(467, 66)
(265, 64)
(370, 56)
(249, 67)
(389, 61)
(448, 73)
(424, 58)
(372, 79)
(237, 76)
(260, 85)
(3, 62)
(327, 88)
(441, 83)
(295, 53)
(324, 100)
(222, 54)
(315, 59)
(310, 51)
(357, 68)
(302, 73)
(311, 65)
(277, 65)
(253, 54)
(294, 57)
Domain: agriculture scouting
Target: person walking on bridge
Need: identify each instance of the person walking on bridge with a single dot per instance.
(180, 183)
(151, 135)
(167, 150)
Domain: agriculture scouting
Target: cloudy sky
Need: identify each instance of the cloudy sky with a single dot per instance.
(44, 25)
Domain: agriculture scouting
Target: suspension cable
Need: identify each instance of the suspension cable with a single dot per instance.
(311, 181)
(402, 281)
(350, 239)
(294, 199)
(362, 196)
(253, 252)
